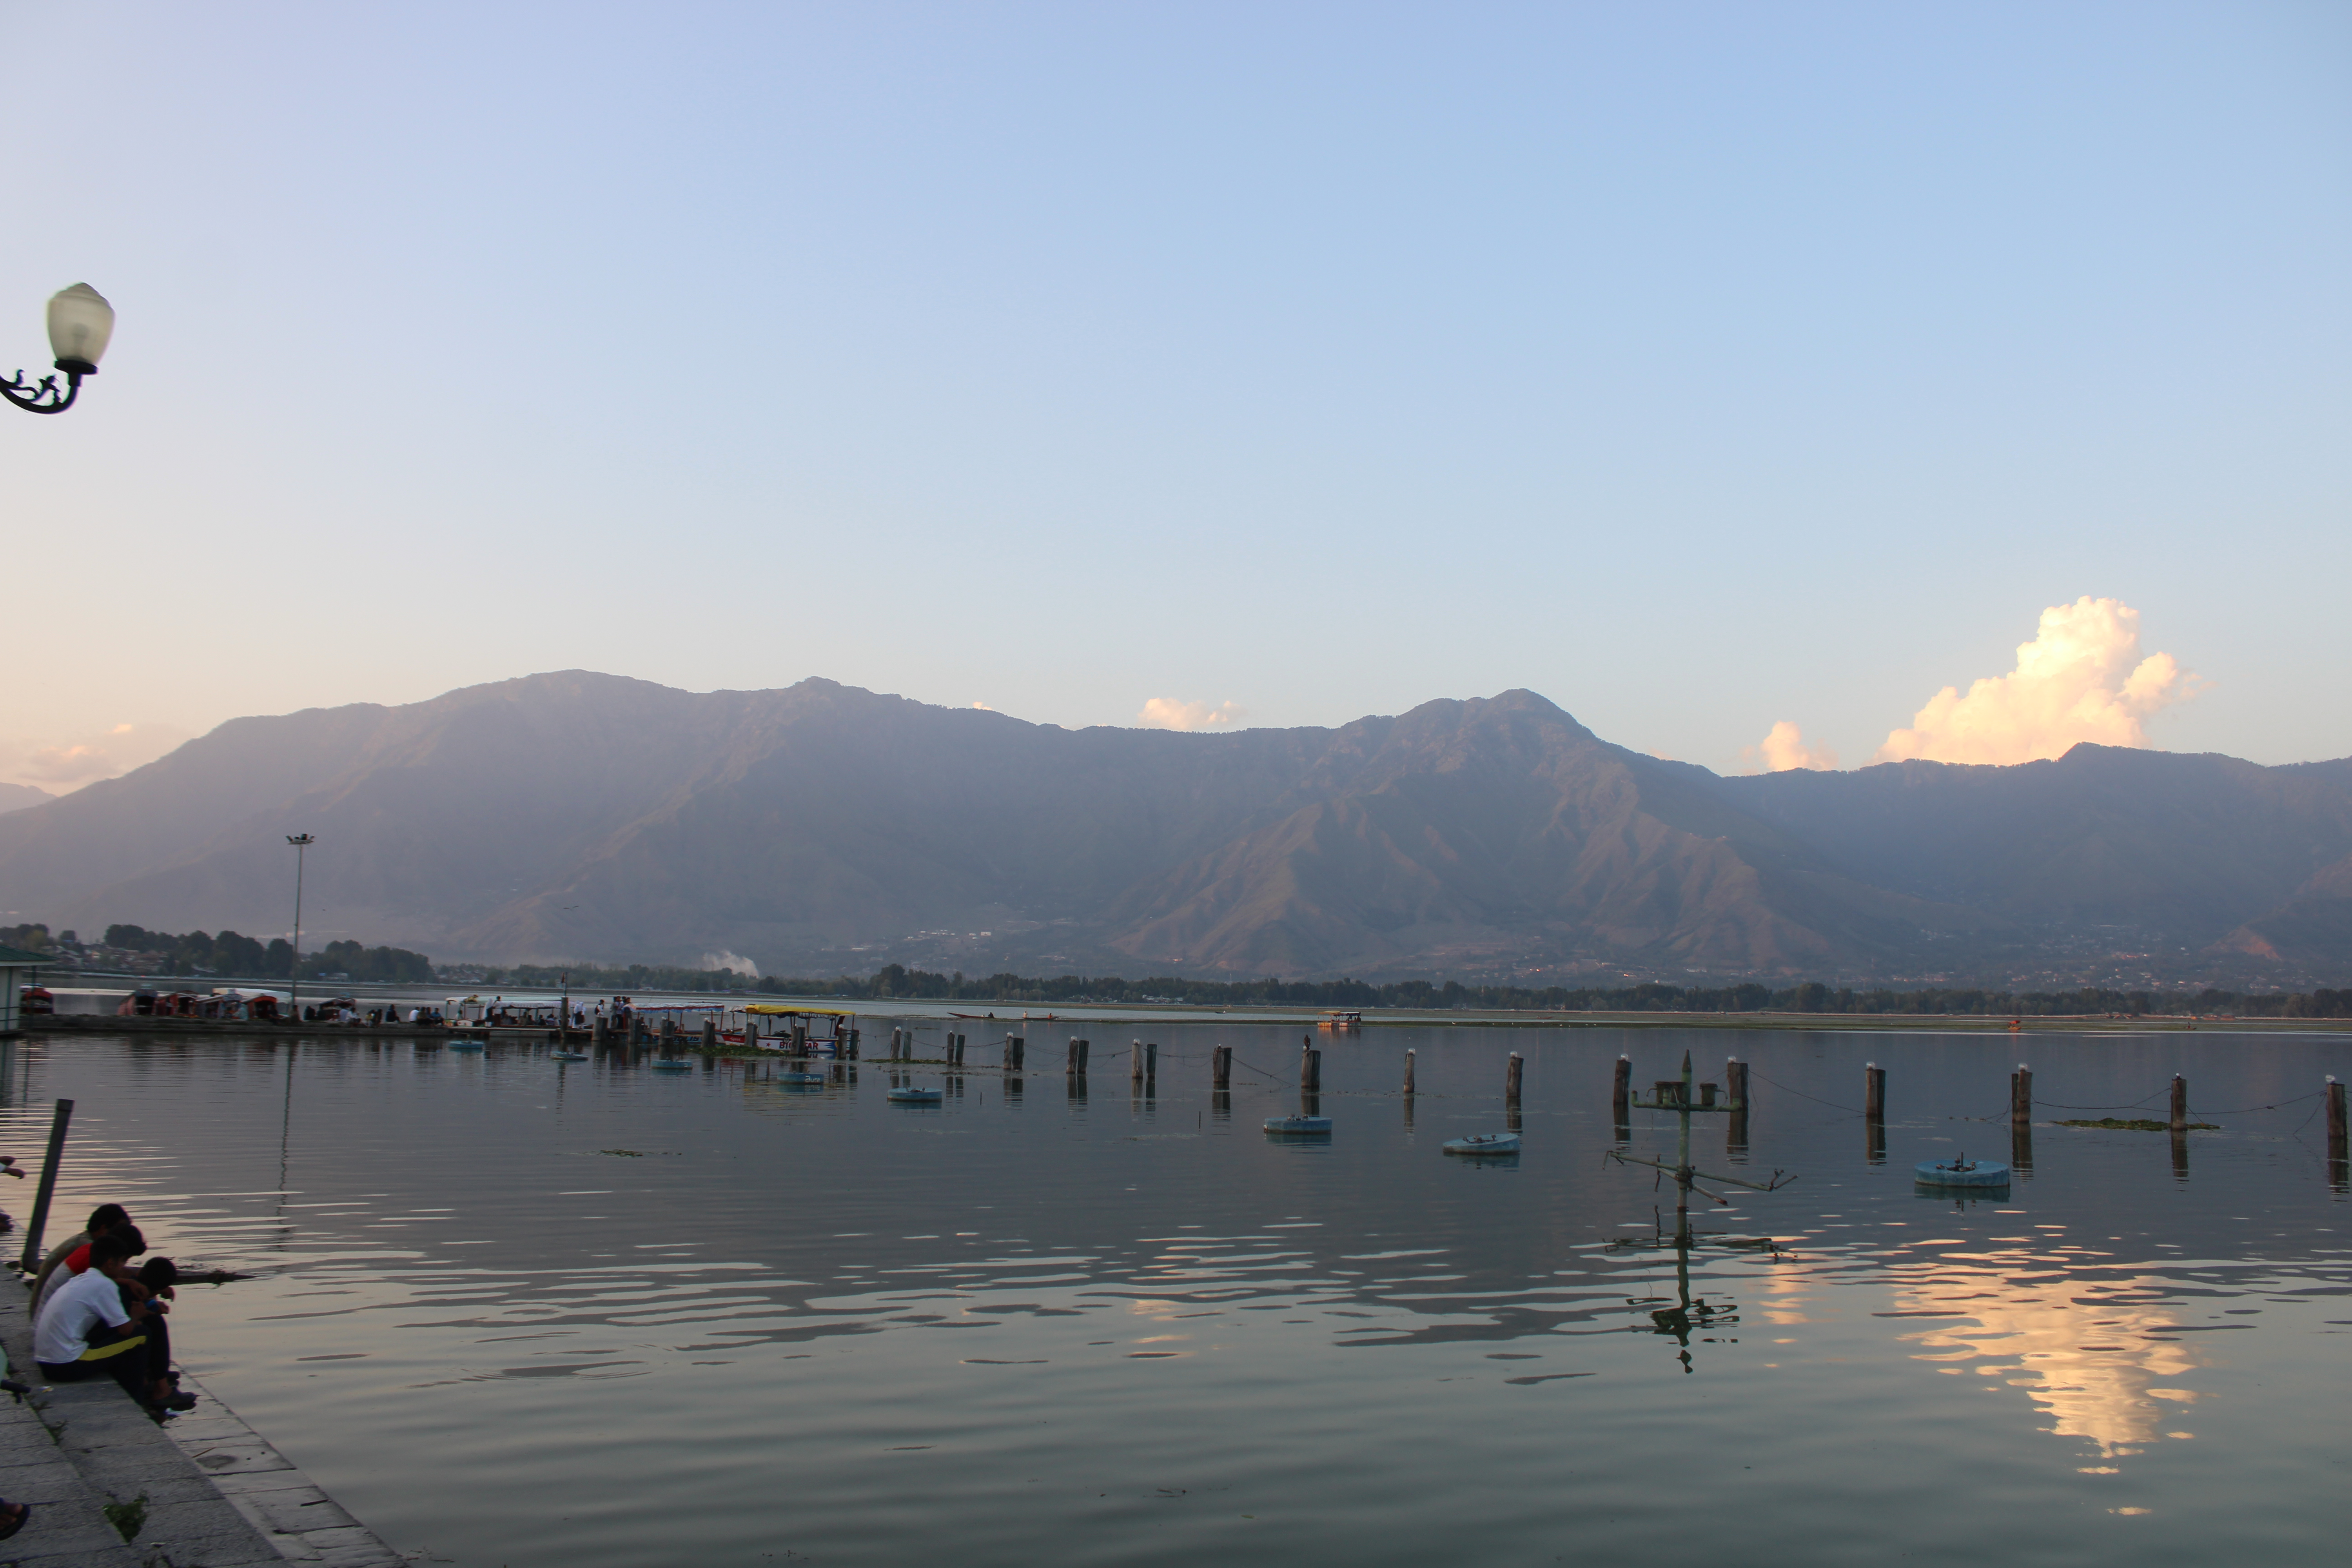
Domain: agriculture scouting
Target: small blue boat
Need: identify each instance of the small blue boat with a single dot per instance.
(916, 1096)
(801, 1080)
(465, 1045)
(567, 1056)
(670, 1064)
(1961, 1171)
(1484, 1144)
(1300, 1126)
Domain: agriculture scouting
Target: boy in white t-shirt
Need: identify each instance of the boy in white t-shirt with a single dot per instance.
(89, 1329)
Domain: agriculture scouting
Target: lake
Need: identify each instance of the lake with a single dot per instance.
(516, 1311)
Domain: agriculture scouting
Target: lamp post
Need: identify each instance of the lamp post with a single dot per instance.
(80, 321)
(301, 841)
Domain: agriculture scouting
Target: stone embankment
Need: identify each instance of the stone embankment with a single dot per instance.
(110, 1488)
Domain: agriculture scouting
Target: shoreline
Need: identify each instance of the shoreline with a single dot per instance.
(1946, 1023)
(206, 1490)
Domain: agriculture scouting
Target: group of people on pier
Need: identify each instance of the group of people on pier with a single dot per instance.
(99, 1312)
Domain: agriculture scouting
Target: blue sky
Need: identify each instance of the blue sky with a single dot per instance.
(1698, 367)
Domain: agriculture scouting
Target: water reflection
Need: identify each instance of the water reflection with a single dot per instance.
(2104, 1358)
(1143, 1295)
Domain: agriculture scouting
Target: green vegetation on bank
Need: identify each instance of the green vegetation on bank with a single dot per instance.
(228, 954)
(897, 983)
(224, 955)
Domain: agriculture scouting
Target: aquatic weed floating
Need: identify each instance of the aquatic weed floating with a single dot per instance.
(1300, 1126)
(1961, 1171)
(1484, 1143)
(915, 1095)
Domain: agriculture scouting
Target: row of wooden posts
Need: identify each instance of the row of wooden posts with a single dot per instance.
(1143, 1070)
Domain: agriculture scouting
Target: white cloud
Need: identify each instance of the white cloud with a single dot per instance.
(983, 708)
(1783, 749)
(2081, 679)
(63, 766)
(1168, 713)
(734, 960)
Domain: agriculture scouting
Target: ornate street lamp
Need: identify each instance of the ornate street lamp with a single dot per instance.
(80, 321)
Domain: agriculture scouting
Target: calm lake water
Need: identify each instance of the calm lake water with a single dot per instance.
(792, 1326)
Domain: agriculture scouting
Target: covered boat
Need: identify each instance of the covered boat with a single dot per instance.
(1962, 1172)
(911, 1096)
(1484, 1144)
(781, 1027)
(1300, 1126)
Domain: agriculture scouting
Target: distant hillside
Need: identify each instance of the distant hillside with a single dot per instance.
(822, 829)
(17, 797)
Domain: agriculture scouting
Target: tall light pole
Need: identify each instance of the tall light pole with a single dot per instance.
(80, 321)
(301, 841)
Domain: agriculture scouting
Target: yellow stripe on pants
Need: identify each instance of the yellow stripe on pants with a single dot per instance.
(100, 1352)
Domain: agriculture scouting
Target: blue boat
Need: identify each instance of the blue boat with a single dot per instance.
(1484, 1144)
(465, 1045)
(801, 1080)
(1961, 1171)
(1300, 1126)
(670, 1064)
(567, 1056)
(916, 1096)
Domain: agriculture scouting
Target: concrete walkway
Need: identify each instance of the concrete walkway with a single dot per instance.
(206, 1491)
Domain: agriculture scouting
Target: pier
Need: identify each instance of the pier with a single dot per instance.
(109, 1488)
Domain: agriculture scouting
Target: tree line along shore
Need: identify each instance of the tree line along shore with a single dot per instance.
(223, 959)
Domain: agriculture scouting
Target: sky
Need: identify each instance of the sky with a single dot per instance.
(1738, 376)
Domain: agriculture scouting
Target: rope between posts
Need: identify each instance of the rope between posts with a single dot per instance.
(1800, 1094)
(2134, 1105)
(2243, 1109)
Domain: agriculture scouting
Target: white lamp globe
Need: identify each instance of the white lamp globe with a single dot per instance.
(80, 321)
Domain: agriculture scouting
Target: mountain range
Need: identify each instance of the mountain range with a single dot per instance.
(821, 828)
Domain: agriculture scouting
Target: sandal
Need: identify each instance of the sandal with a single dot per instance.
(9, 1527)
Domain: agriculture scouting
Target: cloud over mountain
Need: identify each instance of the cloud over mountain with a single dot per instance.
(1785, 748)
(2081, 679)
(1170, 713)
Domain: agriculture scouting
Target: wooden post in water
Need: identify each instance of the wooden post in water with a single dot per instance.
(1310, 1068)
(1016, 1048)
(2020, 1097)
(1873, 1113)
(2180, 1105)
(710, 1033)
(1150, 1065)
(600, 1033)
(1511, 1073)
(1621, 1098)
(1221, 1069)
(1409, 1091)
(48, 1186)
(1734, 1086)
(1135, 1063)
(2336, 1151)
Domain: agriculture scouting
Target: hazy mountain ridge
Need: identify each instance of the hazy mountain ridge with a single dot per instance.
(821, 827)
(17, 797)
